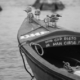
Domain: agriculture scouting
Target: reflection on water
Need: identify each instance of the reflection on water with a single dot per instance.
(11, 66)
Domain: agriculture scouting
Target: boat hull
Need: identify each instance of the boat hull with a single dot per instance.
(41, 68)
(40, 71)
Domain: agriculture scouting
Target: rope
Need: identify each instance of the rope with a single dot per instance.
(41, 54)
(24, 43)
(24, 63)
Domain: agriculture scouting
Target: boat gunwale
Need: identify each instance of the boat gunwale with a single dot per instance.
(35, 57)
(54, 34)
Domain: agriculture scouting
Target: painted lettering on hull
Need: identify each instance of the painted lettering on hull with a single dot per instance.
(34, 34)
(70, 43)
(57, 44)
(63, 41)
(70, 38)
(58, 39)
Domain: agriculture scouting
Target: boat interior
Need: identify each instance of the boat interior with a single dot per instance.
(57, 55)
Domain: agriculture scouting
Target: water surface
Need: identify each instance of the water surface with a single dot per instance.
(11, 66)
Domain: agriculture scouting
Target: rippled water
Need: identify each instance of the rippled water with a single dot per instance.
(11, 66)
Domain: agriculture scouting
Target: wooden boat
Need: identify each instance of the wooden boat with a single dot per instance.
(46, 50)
(51, 52)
